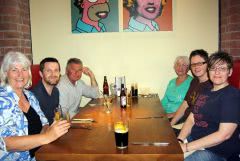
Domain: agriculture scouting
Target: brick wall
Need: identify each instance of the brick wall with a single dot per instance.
(15, 31)
(230, 27)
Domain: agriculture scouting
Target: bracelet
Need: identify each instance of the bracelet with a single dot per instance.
(186, 147)
(180, 140)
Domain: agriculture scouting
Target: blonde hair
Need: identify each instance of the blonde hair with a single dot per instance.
(10, 59)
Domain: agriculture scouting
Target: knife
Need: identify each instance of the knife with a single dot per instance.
(75, 120)
(151, 143)
(149, 117)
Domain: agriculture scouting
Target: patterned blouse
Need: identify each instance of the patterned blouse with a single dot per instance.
(14, 123)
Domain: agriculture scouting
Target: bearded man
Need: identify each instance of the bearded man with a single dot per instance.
(45, 91)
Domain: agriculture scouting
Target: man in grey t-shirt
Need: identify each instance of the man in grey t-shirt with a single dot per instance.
(71, 88)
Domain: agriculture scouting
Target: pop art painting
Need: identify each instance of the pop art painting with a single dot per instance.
(94, 16)
(147, 15)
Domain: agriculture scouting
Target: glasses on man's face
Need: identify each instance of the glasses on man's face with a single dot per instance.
(219, 69)
(198, 64)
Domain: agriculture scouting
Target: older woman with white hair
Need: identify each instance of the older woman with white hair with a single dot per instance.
(177, 87)
(23, 126)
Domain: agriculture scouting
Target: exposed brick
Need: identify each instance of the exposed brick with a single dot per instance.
(225, 36)
(12, 19)
(26, 8)
(224, 20)
(234, 9)
(11, 35)
(8, 43)
(8, 10)
(233, 27)
(26, 43)
(8, 27)
(235, 44)
(25, 28)
(28, 50)
(235, 36)
(234, 2)
(1, 35)
(26, 21)
(26, 36)
(235, 18)
(8, 2)
(225, 44)
(235, 52)
(7, 49)
(223, 29)
(2, 51)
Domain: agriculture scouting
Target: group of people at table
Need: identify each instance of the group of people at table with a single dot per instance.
(206, 103)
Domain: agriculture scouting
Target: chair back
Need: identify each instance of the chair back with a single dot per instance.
(35, 68)
(234, 80)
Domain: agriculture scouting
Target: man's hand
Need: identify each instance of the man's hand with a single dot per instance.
(88, 72)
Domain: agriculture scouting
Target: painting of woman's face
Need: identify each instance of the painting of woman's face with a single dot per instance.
(148, 9)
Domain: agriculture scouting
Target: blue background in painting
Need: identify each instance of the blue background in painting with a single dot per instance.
(111, 22)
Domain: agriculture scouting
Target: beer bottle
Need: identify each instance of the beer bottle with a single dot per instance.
(105, 87)
(136, 90)
(123, 98)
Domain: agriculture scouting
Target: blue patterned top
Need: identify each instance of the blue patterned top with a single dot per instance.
(14, 123)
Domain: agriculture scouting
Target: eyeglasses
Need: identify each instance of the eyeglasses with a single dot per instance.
(219, 69)
(198, 64)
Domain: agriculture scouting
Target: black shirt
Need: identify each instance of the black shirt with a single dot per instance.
(34, 126)
(212, 108)
(47, 102)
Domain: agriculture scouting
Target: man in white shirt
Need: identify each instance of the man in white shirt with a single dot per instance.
(71, 88)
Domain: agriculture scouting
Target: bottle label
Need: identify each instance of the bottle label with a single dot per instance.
(123, 101)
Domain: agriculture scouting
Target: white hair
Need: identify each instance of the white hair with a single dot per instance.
(184, 58)
(10, 59)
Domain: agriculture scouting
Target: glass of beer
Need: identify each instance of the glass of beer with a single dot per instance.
(108, 103)
(60, 114)
(121, 134)
(65, 115)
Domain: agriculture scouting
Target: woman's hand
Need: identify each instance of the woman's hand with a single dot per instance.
(184, 147)
(56, 130)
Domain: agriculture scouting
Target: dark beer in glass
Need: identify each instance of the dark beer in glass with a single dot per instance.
(121, 135)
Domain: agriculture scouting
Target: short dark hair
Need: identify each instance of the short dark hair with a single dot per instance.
(46, 60)
(200, 52)
(220, 57)
(74, 61)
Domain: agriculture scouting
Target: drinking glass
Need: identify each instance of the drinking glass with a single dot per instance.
(60, 114)
(121, 134)
(108, 103)
(65, 115)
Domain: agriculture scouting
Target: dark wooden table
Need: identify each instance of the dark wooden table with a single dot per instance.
(98, 144)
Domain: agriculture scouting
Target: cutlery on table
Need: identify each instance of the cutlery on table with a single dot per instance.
(76, 120)
(151, 143)
(149, 117)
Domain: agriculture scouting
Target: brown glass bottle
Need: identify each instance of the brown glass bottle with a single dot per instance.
(105, 87)
(123, 97)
